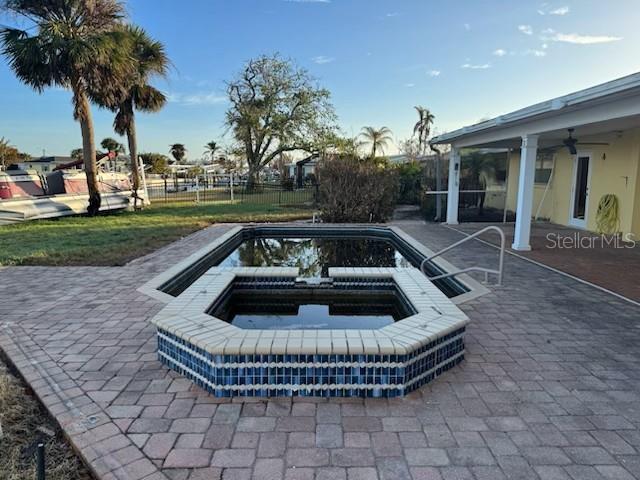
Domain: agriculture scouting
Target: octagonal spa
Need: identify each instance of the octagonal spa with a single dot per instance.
(267, 331)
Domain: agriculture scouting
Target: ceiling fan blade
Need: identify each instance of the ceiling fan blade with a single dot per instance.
(593, 143)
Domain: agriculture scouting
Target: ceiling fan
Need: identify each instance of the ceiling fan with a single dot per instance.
(570, 142)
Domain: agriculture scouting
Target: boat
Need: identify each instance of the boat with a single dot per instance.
(29, 195)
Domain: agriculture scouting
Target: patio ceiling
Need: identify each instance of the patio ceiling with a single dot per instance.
(605, 131)
(599, 113)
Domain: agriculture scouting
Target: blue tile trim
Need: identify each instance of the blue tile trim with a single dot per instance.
(311, 375)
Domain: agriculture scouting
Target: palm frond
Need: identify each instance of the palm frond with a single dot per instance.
(123, 118)
(149, 53)
(28, 57)
(148, 99)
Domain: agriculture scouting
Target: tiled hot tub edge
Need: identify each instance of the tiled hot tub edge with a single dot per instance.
(231, 361)
(311, 375)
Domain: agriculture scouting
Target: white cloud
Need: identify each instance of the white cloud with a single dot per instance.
(535, 53)
(471, 66)
(409, 85)
(579, 39)
(434, 73)
(526, 29)
(308, 1)
(199, 98)
(500, 52)
(467, 27)
(557, 11)
(321, 59)
(392, 14)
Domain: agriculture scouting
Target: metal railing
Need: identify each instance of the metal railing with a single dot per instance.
(487, 271)
(202, 191)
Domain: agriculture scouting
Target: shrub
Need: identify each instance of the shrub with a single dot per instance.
(410, 177)
(429, 208)
(352, 190)
(287, 183)
(310, 179)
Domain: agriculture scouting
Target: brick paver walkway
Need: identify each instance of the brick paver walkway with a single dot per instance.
(550, 388)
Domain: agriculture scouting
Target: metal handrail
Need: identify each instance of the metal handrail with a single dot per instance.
(486, 271)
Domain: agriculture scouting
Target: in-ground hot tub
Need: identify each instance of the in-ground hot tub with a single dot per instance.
(313, 250)
(413, 333)
(310, 310)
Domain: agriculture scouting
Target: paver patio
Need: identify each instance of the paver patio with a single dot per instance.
(612, 266)
(550, 387)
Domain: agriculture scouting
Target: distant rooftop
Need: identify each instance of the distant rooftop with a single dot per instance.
(51, 159)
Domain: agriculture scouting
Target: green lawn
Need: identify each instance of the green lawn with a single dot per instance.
(117, 238)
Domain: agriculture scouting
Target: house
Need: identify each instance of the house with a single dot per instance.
(44, 164)
(301, 169)
(403, 158)
(121, 163)
(565, 154)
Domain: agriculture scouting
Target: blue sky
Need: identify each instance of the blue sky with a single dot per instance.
(463, 59)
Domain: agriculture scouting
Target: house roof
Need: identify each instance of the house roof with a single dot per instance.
(309, 159)
(606, 92)
(50, 159)
(402, 158)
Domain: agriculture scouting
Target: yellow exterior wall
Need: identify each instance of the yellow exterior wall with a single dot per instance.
(635, 221)
(618, 173)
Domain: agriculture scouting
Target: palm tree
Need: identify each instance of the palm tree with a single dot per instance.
(6, 151)
(422, 128)
(149, 59)
(210, 150)
(76, 154)
(178, 152)
(112, 145)
(75, 46)
(378, 138)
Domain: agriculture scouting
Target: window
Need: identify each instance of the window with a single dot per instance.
(544, 166)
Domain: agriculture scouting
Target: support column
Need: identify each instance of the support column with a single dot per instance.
(453, 195)
(524, 206)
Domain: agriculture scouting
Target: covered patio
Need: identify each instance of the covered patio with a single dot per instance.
(592, 142)
(580, 254)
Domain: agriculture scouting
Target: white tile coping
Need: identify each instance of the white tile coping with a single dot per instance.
(184, 317)
(150, 288)
(476, 289)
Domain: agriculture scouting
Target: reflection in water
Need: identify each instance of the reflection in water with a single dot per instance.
(314, 256)
(317, 310)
